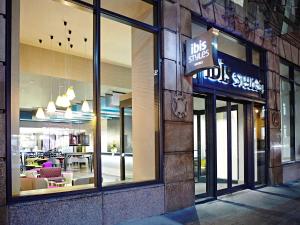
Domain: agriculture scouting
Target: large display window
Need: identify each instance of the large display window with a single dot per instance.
(290, 122)
(77, 104)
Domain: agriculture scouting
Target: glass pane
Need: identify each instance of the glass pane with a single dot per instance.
(52, 116)
(128, 120)
(231, 46)
(297, 76)
(222, 157)
(284, 70)
(255, 57)
(297, 122)
(285, 93)
(197, 29)
(135, 9)
(199, 146)
(259, 145)
(237, 142)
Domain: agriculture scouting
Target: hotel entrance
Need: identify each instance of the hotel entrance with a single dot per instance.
(229, 146)
(226, 157)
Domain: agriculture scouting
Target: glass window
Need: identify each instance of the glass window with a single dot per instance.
(255, 57)
(222, 154)
(200, 159)
(135, 9)
(197, 29)
(297, 76)
(128, 124)
(297, 122)
(285, 95)
(231, 46)
(259, 145)
(284, 70)
(237, 144)
(52, 99)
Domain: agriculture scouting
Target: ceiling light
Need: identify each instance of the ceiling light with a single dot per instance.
(65, 102)
(69, 113)
(40, 114)
(85, 106)
(58, 101)
(71, 93)
(51, 107)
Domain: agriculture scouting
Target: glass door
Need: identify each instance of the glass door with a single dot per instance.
(259, 145)
(230, 131)
(221, 147)
(200, 156)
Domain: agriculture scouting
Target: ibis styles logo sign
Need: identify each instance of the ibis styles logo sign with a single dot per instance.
(201, 53)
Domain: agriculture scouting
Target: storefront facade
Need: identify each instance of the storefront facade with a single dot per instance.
(99, 115)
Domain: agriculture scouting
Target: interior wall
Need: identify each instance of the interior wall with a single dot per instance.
(143, 111)
(43, 62)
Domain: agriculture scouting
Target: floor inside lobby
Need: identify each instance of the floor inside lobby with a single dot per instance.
(265, 206)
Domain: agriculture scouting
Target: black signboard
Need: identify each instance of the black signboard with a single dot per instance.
(201, 52)
(234, 76)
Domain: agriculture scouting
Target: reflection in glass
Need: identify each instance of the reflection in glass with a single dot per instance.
(284, 70)
(237, 144)
(255, 57)
(222, 156)
(297, 76)
(259, 145)
(285, 94)
(128, 124)
(231, 46)
(200, 159)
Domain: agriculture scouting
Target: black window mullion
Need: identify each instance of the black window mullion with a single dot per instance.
(97, 92)
(229, 146)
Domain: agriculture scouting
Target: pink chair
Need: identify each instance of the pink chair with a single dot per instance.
(52, 174)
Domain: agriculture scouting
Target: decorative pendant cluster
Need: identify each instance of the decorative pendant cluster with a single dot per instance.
(63, 100)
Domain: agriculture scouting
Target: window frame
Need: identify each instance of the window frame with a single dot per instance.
(291, 79)
(98, 12)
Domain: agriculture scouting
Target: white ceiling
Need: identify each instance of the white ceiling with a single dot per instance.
(40, 19)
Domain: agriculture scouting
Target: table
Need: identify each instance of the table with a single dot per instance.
(88, 155)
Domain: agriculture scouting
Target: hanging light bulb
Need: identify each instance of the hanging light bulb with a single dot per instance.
(71, 93)
(40, 113)
(51, 107)
(58, 101)
(68, 113)
(65, 102)
(85, 106)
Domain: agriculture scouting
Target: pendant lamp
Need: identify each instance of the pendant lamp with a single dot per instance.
(85, 106)
(70, 93)
(40, 113)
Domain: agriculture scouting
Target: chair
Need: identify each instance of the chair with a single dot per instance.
(29, 183)
(52, 174)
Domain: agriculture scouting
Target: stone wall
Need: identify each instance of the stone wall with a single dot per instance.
(3, 211)
(106, 208)
(178, 143)
(178, 133)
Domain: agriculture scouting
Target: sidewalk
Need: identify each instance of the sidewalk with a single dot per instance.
(266, 206)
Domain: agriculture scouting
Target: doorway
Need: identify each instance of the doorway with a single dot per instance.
(219, 146)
